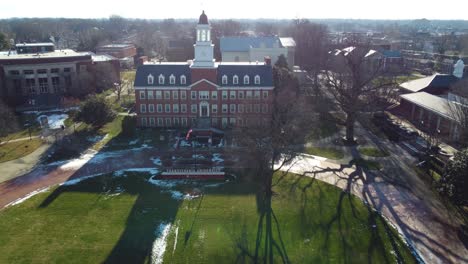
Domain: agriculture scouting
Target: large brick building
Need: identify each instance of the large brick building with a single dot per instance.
(36, 76)
(203, 92)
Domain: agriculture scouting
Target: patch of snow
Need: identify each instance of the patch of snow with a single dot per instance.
(217, 158)
(151, 171)
(185, 143)
(162, 183)
(77, 163)
(78, 180)
(157, 161)
(133, 142)
(95, 138)
(54, 121)
(198, 156)
(159, 245)
(29, 195)
(175, 240)
(144, 146)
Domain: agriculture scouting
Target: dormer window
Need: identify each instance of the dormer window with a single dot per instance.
(183, 79)
(172, 79)
(224, 79)
(257, 79)
(150, 79)
(246, 79)
(235, 79)
(161, 79)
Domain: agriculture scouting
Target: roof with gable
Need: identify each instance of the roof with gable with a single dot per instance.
(433, 103)
(231, 44)
(264, 71)
(166, 69)
(288, 42)
(434, 81)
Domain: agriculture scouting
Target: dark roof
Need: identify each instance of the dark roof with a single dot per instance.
(245, 43)
(264, 71)
(141, 78)
(203, 20)
(434, 81)
(433, 103)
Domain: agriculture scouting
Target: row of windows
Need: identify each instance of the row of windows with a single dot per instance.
(183, 79)
(203, 95)
(183, 121)
(43, 85)
(235, 79)
(162, 79)
(225, 108)
(39, 71)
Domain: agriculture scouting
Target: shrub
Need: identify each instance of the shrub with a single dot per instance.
(96, 111)
(454, 180)
(129, 124)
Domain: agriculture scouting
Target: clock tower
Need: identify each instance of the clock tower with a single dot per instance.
(203, 47)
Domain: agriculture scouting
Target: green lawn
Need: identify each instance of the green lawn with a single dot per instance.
(35, 130)
(117, 219)
(326, 152)
(368, 164)
(16, 150)
(373, 152)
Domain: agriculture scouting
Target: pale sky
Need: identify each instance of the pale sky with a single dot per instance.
(357, 9)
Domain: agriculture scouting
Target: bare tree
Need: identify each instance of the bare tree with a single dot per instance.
(458, 108)
(356, 82)
(8, 120)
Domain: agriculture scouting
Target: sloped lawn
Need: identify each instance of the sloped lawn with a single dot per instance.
(124, 218)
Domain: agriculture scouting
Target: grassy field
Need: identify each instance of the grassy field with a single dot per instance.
(121, 219)
(368, 164)
(373, 152)
(326, 152)
(15, 150)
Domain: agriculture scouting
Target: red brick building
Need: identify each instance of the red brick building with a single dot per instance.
(203, 92)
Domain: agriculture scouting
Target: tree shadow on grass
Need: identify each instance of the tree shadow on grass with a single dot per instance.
(151, 208)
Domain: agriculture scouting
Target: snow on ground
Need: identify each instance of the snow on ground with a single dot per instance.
(118, 173)
(217, 158)
(198, 156)
(157, 161)
(133, 142)
(29, 195)
(77, 163)
(159, 245)
(185, 143)
(54, 121)
(95, 138)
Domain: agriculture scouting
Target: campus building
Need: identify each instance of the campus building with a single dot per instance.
(203, 92)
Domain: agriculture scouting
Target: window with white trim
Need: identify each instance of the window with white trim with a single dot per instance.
(142, 95)
(184, 121)
(167, 108)
(240, 94)
(167, 95)
(150, 95)
(224, 95)
(161, 79)
(257, 79)
(159, 108)
(160, 121)
(265, 94)
(204, 95)
(214, 109)
(232, 94)
(142, 108)
(183, 95)
(150, 79)
(240, 108)
(235, 79)
(224, 79)
(224, 108)
(257, 95)
(183, 79)
(168, 122)
(232, 121)
(183, 108)
(151, 108)
(176, 121)
(214, 95)
(151, 121)
(172, 79)
(214, 121)
(246, 79)
(175, 108)
(232, 108)
(158, 95)
(224, 122)
(248, 95)
(194, 109)
(264, 108)
(193, 95)
(175, 95)
(144, 121)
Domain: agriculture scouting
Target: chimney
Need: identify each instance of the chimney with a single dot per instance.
(267, 60)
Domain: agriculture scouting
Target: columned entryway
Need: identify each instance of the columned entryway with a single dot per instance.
(204, 109)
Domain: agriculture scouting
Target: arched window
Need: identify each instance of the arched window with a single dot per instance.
(172, 79)
(183, 79)
(161, 79)
(150, 79)
(203, 35)
(246, 79)
(235, 79)
(257, 79)
(224, 80)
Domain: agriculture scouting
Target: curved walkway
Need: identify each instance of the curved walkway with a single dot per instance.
(426, 226)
